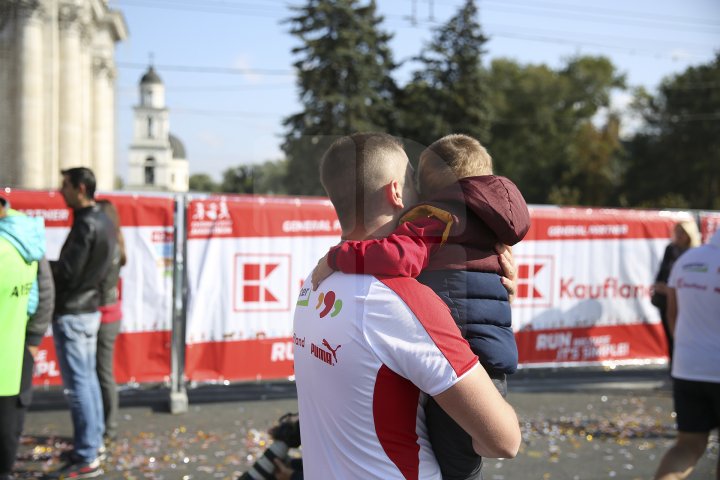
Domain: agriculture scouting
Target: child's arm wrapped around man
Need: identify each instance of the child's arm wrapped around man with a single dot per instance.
(404, 253)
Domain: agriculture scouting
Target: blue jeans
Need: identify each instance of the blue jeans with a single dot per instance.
(76, 345)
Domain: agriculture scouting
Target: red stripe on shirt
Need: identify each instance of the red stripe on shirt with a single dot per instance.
(395, 404)
(435, 317)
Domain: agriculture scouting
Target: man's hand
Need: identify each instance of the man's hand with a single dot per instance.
(507, 263)
(321, 272)
(282, 471)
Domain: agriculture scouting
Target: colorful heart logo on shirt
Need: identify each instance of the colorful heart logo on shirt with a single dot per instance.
(330, 303)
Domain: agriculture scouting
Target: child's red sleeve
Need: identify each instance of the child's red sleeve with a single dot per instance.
(405, 253)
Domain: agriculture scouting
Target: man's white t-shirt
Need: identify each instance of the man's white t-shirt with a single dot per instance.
(365, 349)
(695, 276)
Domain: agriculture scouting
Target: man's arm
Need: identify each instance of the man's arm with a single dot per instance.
(38, 323)
(73, 257)
(419, 340)
(476, 405)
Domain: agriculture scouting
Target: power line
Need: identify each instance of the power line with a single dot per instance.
(212, 6)
(607, 11)
(207, 69)
(216, 88)
(277, 12)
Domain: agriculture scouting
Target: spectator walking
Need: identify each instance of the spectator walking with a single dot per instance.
(693, 303)
(22, 246)
(84, 261)
(111, 315)
(685, 235)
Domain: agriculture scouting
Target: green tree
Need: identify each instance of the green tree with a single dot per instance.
(344, 70)
(594, 173)
(269, 178)
(543, 136)
(202, 182)
(449, 92)
(237, 180)
(675, 159)
(265, 178)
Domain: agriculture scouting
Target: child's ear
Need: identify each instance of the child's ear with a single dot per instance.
(393, 190)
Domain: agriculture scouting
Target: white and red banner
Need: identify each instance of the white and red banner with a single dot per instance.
(584, 286)
(142, 351)
(246, 260)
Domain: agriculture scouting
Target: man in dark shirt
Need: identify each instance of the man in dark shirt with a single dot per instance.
(84, 261)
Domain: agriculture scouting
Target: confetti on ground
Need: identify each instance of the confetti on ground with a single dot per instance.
(574, 436)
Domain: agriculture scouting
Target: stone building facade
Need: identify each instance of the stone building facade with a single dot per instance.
(57, 90)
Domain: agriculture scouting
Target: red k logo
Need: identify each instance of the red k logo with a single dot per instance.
(255, 282)
(534, 280)
(526, 287)
(262, 282)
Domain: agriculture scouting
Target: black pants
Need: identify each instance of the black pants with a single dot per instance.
(452, 445)
(12, 417)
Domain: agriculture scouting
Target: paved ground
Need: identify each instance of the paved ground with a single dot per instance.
(576, 425)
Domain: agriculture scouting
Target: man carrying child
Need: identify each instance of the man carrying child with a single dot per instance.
(448, 243)
(372, 349)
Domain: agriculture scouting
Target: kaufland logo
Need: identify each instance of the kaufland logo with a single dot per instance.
(261, 282)
(535, 276)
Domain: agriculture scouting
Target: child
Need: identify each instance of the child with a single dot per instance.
(447, 241)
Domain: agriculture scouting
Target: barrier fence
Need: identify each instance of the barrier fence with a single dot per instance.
(217, 303)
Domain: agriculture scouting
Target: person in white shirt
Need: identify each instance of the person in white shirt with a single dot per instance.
(368, 350)
(693, 310)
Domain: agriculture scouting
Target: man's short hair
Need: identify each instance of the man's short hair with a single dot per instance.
(449, 159)
(353, 171)
(84, 176)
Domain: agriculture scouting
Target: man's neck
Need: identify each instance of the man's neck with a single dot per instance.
(84, 203)
(380, 229)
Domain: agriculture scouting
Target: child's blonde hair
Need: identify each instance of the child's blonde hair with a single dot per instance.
(449, 159)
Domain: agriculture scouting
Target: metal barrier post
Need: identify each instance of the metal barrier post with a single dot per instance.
(178, 393)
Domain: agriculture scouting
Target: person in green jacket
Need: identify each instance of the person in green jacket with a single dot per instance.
(22, 246)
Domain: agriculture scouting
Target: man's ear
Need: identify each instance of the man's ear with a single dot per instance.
(82, 189)
(393, 190)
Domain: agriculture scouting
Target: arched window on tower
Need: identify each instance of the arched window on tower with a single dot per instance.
(150, 171)
(150, 127)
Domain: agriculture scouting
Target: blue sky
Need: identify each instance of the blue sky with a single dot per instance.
(229, 80)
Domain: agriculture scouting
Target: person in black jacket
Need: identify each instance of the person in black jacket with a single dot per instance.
(685, 235)
(84, 261)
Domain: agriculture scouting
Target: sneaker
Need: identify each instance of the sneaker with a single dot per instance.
(73, 470)
(68, 456)
(102, 453)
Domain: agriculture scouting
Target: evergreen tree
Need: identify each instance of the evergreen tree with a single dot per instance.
(449, 92)
(344, 69)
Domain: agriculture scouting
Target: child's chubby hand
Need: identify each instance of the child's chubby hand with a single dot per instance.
(507, 263)
(321, 272)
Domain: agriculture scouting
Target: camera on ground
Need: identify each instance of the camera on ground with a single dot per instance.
(285, 435)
